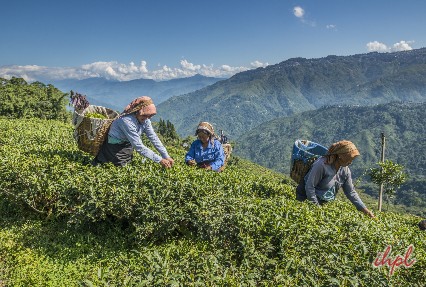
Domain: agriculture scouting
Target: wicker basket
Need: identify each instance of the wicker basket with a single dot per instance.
(90, 133)
(300, 168)
(227, 149)
(304, 154)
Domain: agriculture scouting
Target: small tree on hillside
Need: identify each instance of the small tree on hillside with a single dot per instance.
(171, 131)
(168, 131)
(390, 174)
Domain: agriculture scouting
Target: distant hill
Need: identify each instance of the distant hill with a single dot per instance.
(403, 124)
(117, 95)
(250, 98)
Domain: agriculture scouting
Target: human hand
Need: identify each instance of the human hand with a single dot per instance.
(205, 165)
(165, 163)
(171, 161)
(191, 162)
(369, 213)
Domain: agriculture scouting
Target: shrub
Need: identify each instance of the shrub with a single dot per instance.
(241, 227)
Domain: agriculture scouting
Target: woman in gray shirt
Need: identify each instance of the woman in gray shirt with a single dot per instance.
(329, 173)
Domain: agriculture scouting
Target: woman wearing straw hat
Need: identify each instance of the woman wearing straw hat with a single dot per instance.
(125, 135)
(329, 173)
(206, 151)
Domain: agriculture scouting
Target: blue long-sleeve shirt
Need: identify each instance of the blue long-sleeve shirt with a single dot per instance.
(128, 129)
(213, 153)
(323, 182)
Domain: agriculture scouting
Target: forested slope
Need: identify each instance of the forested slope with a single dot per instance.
(250, 98)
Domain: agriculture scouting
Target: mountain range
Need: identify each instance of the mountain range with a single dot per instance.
(242, 102)
(116, 95)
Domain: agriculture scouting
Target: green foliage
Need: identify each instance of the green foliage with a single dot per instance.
(167, 130)
(67, 223)
(44, 170)
(390, 174)
(22, 100)
(95, 115)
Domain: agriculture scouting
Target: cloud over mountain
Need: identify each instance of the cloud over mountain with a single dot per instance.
(376, 46)
(122, 72)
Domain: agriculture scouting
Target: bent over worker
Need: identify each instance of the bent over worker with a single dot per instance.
(328, 174)
(125, 133)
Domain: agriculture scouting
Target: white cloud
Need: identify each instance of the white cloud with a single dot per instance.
(257, 64)
(143, 68)
(402, 46)
(298, 12)
(381, 47)
(190, 66)
(122, 72)
(376, 47)
(331, 26)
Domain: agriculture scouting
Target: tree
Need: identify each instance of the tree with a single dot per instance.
(171, 131)
(162, 127)
(22, 100)
(167, 131)
(390, 174)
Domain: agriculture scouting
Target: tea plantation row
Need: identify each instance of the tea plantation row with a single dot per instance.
(67, 223)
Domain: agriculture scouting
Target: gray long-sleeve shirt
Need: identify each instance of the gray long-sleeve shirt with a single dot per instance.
(127, 128)
(323, 180)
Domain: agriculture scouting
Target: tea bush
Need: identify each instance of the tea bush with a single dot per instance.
(141, 225)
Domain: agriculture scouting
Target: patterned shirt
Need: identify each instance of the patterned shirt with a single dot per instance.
(213, 153)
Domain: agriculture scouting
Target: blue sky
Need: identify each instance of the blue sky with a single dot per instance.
(165, 39)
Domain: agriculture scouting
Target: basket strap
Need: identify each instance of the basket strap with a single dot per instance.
(77, 120)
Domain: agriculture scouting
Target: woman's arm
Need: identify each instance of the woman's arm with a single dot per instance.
(219, 156)
(313, 178)
(190, 155)
(130, 131)
(153, 138)
(349, 190)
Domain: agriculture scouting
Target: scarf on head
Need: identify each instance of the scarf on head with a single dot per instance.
(205, 126)
(143, 104)
(342, 147)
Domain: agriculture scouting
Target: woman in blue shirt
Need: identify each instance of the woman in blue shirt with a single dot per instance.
(206, 152)
(329, 173)
(125, 135)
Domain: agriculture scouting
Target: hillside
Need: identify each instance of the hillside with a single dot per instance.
(116, 94)
(67, 223)
(403, 124)
(250, 98)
